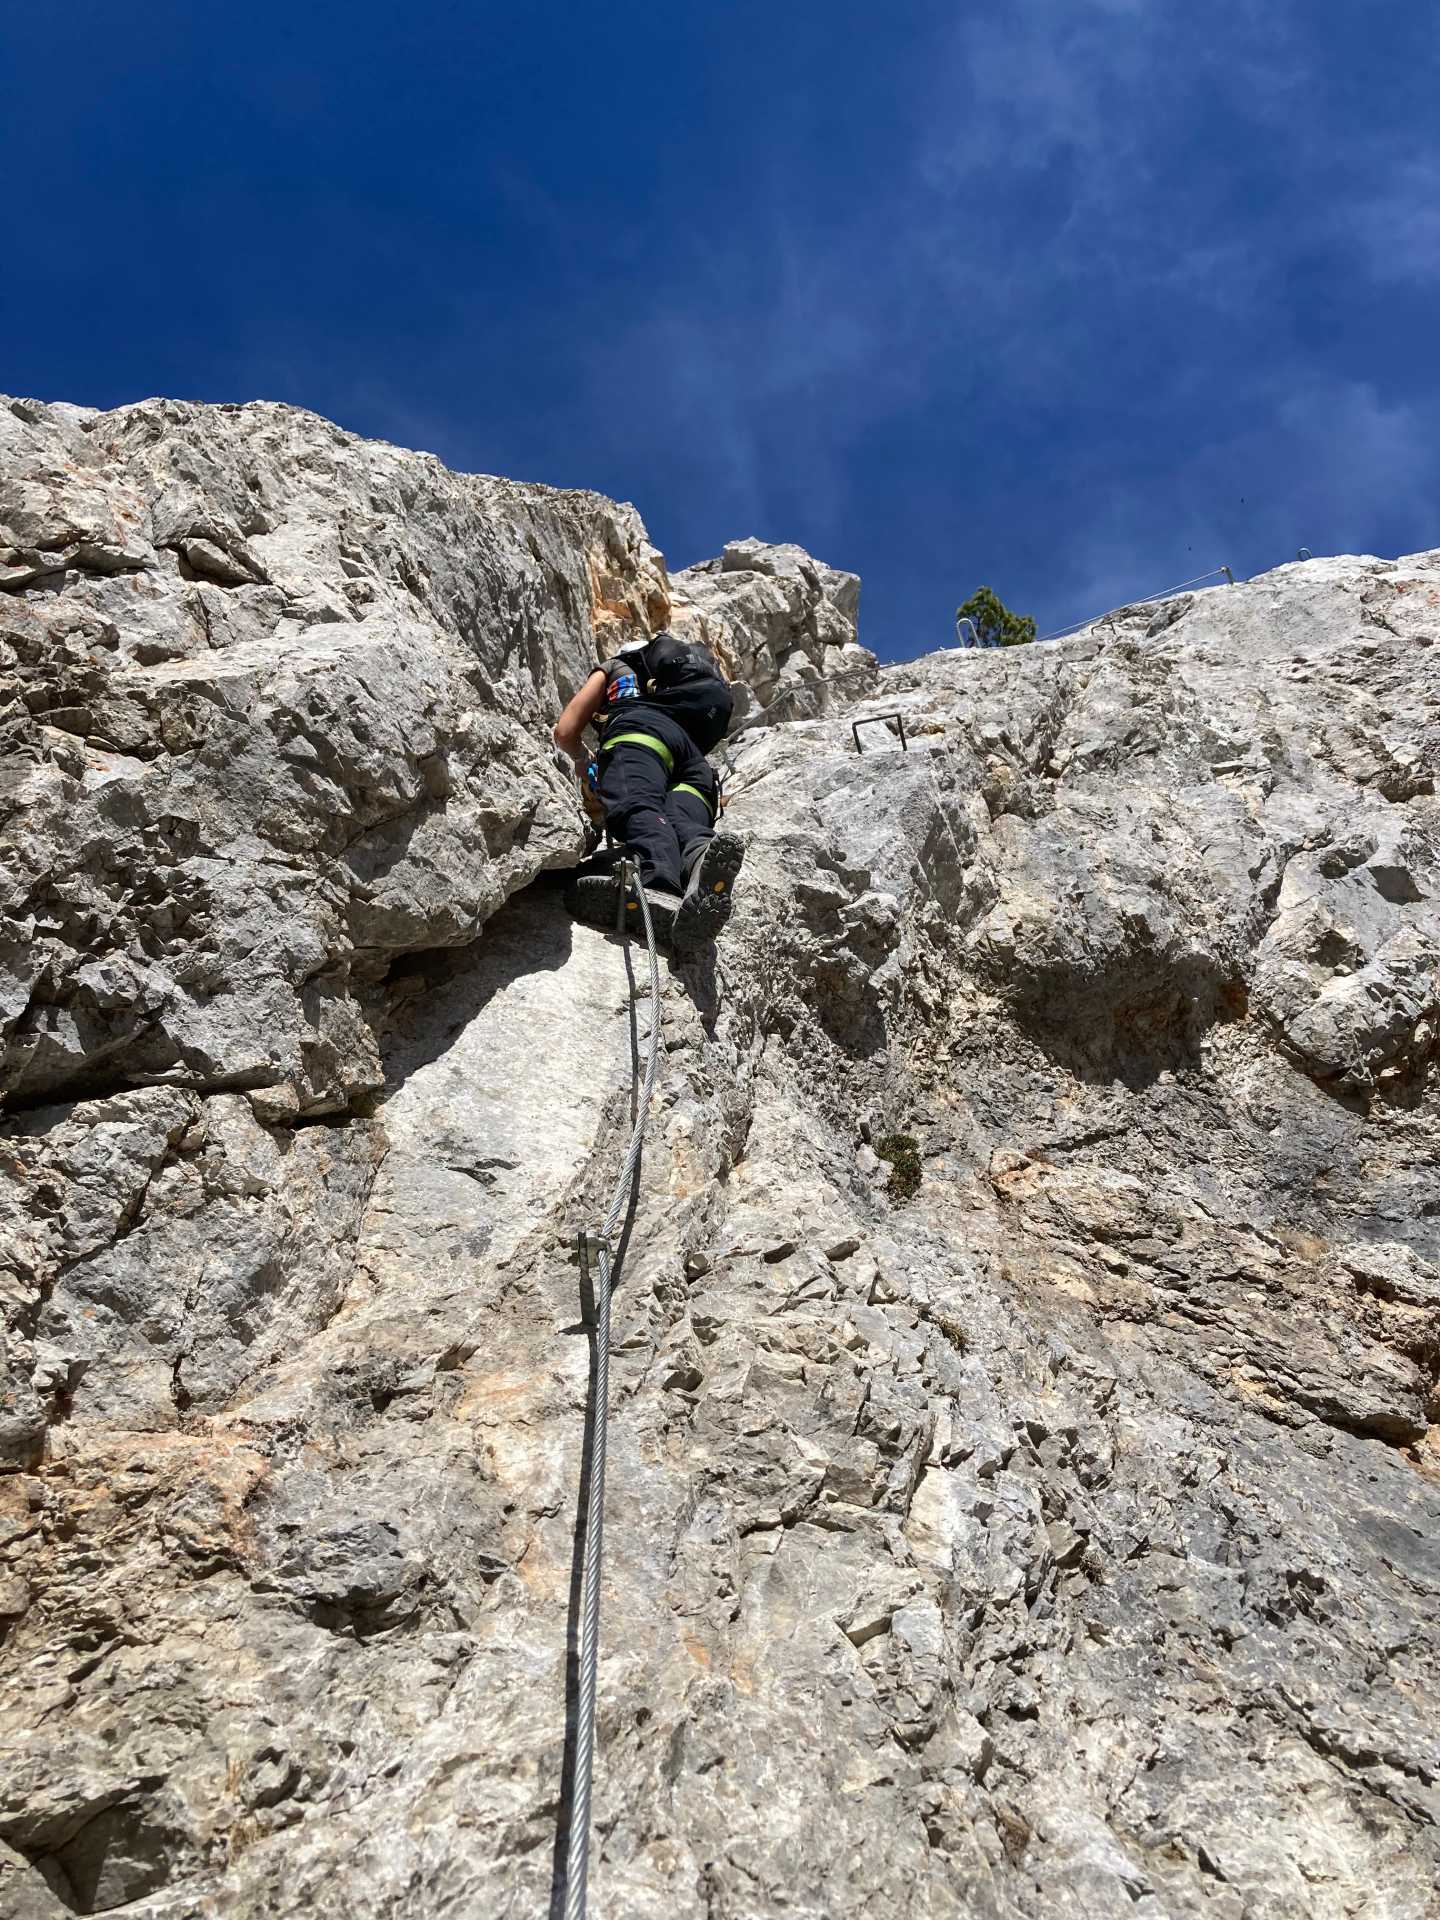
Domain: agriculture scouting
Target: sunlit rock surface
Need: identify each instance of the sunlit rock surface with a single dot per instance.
(784, 623)
(1022, 1480)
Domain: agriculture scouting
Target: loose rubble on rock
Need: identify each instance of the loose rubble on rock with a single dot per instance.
(1022, 1471)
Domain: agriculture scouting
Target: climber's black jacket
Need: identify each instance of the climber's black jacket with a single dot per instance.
(672, 677)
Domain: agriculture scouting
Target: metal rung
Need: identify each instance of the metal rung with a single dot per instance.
(876, 719)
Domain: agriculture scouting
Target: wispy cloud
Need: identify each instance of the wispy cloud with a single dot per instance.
(1396, 228)
(1100, 308)
(1323, 465)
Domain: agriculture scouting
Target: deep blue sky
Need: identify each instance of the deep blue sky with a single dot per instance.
(1073, 298)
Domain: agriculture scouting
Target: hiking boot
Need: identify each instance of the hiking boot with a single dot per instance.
(594, 897)
(664, 914)
(707, 902)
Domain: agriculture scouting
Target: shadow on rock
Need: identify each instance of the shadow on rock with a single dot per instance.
(432, 996)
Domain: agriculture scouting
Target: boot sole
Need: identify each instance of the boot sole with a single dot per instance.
(706, 908)
(594, 906)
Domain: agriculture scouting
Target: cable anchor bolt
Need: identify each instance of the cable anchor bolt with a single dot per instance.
(587, 1243)
(625, 882)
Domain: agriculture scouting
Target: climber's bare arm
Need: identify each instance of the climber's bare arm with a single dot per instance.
(582, 709)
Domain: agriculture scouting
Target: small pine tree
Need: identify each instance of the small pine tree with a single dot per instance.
(995, 625)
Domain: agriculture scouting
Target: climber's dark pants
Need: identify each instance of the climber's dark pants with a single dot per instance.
(659, 793)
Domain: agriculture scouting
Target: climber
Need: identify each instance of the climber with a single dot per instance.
(659, 707)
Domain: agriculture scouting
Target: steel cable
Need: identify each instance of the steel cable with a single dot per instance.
(577, 1857)
(1144, 600)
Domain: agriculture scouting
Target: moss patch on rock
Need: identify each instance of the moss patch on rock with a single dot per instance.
(902, 1150)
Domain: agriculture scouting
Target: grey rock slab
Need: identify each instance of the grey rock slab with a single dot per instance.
(498, 1078)
(258, 757)
(1022, 1480)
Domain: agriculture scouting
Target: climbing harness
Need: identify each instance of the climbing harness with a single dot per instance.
(597, 1311)
(650, 740)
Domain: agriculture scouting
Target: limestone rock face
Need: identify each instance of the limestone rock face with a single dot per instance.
(784, 624)
(278, 706)
(1022, 1467)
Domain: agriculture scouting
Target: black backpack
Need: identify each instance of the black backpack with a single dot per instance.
(683, 679)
